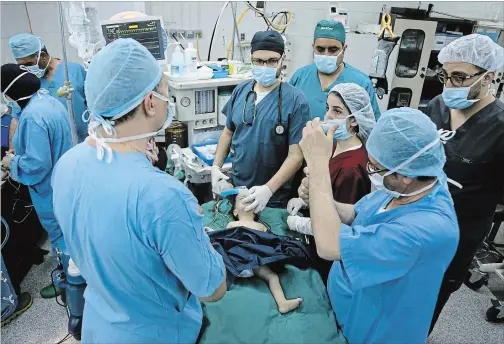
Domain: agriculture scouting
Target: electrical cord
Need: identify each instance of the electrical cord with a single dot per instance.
(270, 24)
(215, 28)
(68, 336)
(175, 38)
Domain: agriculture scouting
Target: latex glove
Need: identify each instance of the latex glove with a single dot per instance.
(221, 185)
(217, 175)
(295, 204)
(300, 224)
(304, 190)
(6, 160)
(259, 197)
(152, 152)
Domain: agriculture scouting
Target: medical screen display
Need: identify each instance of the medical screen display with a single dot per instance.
(148, 33)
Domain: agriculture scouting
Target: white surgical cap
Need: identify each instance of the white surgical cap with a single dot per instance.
(475, 49)
(119, 77)
(401, 133)
(359, 104)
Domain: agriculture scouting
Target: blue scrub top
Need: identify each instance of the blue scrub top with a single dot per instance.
(385, 288)
(257, 151)
(137, 237)
(42, 136)
(306, 80)
(77, 76)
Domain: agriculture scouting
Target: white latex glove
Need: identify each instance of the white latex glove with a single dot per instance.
(221, 185)
(300, 224)
(259, 197)
(217, 175)
(294, 205)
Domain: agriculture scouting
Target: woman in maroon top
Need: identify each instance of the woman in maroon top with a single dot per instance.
(349, 107)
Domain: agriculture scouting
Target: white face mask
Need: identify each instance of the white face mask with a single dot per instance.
(101, 142)
(378, 180)
(35, 69)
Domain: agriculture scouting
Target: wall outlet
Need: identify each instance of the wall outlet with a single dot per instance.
(172, 32)
(181, 33)
(198, 33)
(189, 34)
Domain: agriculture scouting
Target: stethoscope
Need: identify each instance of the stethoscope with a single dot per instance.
(279, 129)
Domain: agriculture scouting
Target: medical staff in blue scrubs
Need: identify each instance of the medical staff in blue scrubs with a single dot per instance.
(30, 51)
(265, 119)
(328, 69)
(42, 137)
(135, 232)
(392, 248)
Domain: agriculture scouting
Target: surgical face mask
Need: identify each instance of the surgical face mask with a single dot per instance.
(456, 97)
(327, 64)
(35, 69)
(101, 142)
(341, 132)
(266, 76)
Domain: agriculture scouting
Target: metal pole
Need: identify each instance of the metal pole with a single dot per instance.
(233, 10)
(237, 33)
(67, 88)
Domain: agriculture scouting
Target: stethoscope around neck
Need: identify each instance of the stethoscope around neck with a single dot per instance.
(279, 129)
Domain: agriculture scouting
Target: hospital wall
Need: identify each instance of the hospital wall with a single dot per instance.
(41, 18)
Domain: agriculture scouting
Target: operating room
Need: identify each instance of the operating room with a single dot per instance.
(252, 172)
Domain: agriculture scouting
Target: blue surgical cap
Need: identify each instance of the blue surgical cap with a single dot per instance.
(401, 133)
(25, 44)
(119, 77)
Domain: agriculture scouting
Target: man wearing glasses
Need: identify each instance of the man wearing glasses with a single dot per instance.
(265, 119)
(475, 155)
(328, 69)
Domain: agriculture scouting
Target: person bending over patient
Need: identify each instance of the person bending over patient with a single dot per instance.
(248, 219)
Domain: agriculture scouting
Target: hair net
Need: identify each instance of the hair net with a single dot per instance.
(401, 133)
(119, 77)
(25, 44)
(359, 104)
(476, 49)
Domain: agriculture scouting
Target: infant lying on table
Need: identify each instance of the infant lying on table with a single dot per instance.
(248, 219)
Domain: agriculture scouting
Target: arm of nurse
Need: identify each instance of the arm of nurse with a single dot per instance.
(346, 211)
(223, 147)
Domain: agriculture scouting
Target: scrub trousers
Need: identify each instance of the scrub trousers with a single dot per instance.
(472, 233)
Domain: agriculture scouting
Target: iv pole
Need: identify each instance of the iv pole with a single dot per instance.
(66, 90)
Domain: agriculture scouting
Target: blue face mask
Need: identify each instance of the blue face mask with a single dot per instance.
(341, 133)
(266, 76)
(456, 97)
(326, 64)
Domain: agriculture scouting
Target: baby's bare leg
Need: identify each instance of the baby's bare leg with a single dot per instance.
(284, 305)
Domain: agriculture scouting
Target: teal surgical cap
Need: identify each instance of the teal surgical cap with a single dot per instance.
(401, 133)
(119, 78)
(330, 29)
(25, 44)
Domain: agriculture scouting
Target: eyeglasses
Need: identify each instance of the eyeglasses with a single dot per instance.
(269, 63)
(457, 80)
(372, 170)
(331, 50)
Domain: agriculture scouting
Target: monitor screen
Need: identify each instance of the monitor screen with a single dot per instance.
(146, 32)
